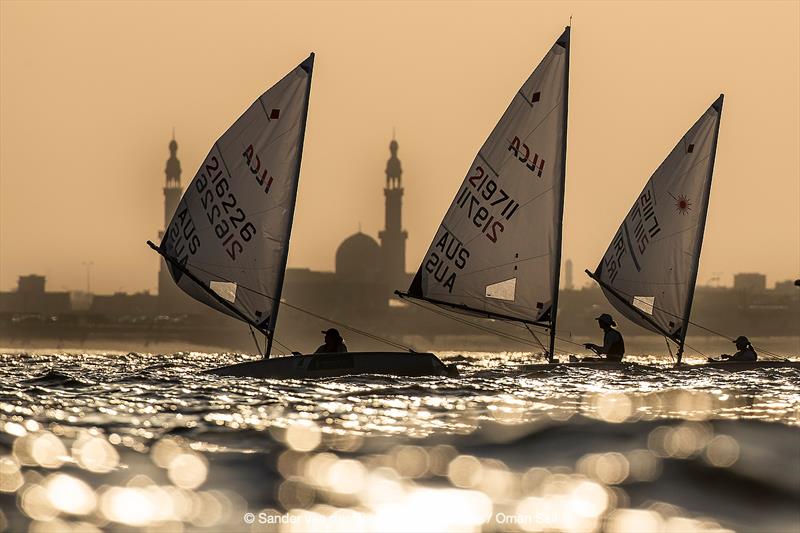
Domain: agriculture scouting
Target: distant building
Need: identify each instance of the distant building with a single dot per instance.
(120, 303)
(31, 298)
(750, 282)
(787, 286)
(568, 275)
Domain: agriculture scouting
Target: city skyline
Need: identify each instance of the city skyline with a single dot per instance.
(81, 176)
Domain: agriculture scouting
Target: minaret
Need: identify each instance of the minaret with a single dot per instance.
(172, 190)
(393, 237)
(167, 291)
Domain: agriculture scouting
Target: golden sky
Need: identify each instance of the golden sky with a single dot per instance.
(90, 92)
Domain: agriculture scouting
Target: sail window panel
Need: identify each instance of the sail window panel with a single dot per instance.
(644, 303)
(504, 290)
(224, 290)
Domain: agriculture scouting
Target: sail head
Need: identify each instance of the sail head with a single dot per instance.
(495, 252)
(227, 242)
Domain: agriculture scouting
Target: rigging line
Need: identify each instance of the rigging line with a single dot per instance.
(287, 304)
(694, 349)
(623, 293)
(524, 325)
(544, 350)
(486, 329)
(717, 333)
(350, 328)
(779, 357)
(252, 334)
(562, 339)
(669, 348)
(441, 312)
(279, 343)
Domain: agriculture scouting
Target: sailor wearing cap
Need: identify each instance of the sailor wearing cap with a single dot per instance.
(745, 352)
(333, 342)
(613, 345)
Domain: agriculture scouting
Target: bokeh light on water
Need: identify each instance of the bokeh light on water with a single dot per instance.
(151, 443)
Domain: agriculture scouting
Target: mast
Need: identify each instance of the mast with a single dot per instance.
(273, 319)
(554, 308)
(701, 229)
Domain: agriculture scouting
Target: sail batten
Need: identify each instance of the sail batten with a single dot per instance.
(496, 251)
(649, 271)
(227, 243)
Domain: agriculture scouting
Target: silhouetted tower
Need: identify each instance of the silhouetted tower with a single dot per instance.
(172, 190)
(168, 293)
(393, 237)
(568, 275)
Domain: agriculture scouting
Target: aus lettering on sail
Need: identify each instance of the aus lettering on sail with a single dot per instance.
(448, 257)
(181, 240)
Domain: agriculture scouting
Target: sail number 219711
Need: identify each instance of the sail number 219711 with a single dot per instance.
(487, 205)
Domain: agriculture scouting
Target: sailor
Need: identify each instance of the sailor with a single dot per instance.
(613, 345)
(745, 351)
(333, 342)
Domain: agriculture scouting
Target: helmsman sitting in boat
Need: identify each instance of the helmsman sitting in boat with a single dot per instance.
(333, 342)
(613, 345)
(745, 352)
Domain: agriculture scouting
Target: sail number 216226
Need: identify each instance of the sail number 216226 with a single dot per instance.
(228, 220)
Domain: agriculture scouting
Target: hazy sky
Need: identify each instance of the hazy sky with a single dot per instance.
(90, 92)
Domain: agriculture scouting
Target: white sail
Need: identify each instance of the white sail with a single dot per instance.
(649, 271)
(227, 242)
(497, 251)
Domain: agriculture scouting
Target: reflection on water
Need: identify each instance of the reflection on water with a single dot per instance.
(112, 441)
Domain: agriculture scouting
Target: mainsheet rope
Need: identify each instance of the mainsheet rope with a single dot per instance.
(440, 312)
(320, 317)
(717, 333)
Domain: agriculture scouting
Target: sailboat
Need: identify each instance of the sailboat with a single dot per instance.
(649, 271)
(497, 252)
(228, 241)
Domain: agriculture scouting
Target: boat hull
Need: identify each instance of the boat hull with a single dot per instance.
(594, 365)
(739, 366)
(340, 364)
(735, 366)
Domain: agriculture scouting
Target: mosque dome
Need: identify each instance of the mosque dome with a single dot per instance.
(358, 258)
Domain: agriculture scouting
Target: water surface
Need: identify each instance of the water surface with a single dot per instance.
(113, 440)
